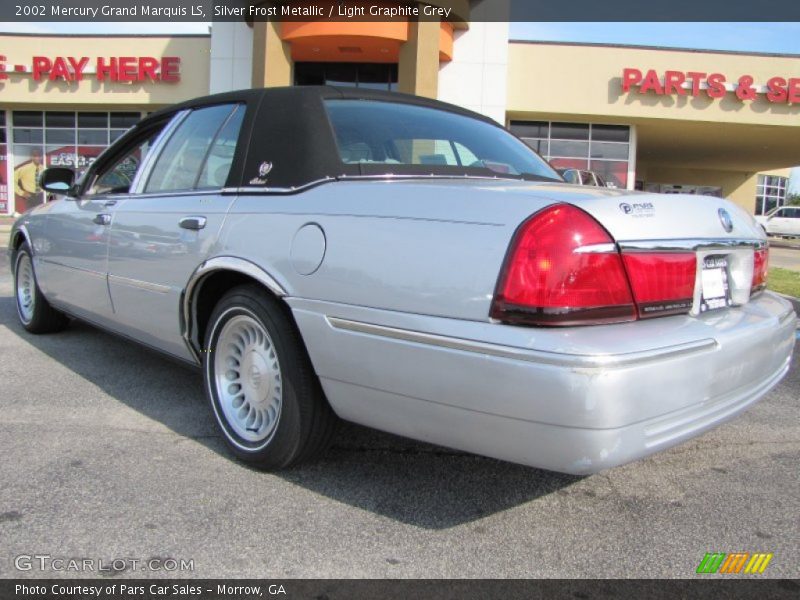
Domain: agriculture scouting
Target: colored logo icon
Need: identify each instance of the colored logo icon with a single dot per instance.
(737, 562)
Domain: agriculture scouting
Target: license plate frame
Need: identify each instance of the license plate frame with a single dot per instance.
(715, 284)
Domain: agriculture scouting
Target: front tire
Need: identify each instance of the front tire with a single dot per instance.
(259, 381)
(34, 311)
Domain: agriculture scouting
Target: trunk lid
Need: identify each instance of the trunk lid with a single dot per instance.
(724, 240)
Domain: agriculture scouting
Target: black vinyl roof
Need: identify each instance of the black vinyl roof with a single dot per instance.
(289, 128)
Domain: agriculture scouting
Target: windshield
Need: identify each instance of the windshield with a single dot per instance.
(389, 137)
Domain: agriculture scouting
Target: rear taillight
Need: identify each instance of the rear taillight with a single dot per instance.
(563, 268)
(760, 268)
(662, 283)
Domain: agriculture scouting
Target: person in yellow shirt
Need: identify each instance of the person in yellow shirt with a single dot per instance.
(26, 182)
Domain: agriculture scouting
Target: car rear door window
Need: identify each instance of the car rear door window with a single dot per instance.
(182, 161)
(220, 157)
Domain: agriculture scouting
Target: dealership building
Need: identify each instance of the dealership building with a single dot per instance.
(658, 119)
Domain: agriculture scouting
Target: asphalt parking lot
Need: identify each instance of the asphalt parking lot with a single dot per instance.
(108, 451)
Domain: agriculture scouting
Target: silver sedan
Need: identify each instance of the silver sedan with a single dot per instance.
(408, 265)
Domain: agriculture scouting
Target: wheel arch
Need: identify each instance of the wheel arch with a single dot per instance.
(19, 234)
(209, 282)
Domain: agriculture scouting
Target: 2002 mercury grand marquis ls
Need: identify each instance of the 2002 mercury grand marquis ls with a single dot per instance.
(410, 266)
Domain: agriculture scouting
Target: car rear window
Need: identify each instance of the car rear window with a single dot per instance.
(394, 135)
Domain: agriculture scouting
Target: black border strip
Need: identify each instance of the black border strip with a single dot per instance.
(735, 587)
(481, 10)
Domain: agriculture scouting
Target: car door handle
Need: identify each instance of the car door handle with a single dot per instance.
(192, 223)
(109, 203)
(102, 219)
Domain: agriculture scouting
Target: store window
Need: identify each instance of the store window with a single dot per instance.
(770, 193)
(603, 149)
(59, 138)
(375, 76)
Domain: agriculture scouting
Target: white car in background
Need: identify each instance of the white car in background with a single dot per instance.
(784, 220)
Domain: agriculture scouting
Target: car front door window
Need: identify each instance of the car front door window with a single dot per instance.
(117, 176)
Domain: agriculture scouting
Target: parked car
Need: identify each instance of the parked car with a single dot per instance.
(783, 220)
(410, 266)
(582, 177)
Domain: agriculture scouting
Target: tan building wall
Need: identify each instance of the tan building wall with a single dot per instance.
(778, 172)
(586, 80)
(20, 88)
(681, 139)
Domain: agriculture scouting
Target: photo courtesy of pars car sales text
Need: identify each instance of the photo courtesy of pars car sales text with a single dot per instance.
(153, 590)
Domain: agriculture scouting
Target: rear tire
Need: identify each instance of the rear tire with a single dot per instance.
(34, 311)
(260, 383)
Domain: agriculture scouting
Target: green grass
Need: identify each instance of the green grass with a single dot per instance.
(784, 281)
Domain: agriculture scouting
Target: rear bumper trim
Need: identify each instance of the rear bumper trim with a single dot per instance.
(690, 245)
(510, 352)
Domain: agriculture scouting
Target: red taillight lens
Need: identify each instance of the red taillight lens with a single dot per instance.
(662, 283)
(552, 277)
(760, 269)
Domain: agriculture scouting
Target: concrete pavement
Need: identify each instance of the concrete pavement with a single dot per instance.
(110, 451)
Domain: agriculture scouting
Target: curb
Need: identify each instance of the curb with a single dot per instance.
(783, 244)
(795, 303)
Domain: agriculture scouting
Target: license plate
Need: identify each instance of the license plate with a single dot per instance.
(714, 279)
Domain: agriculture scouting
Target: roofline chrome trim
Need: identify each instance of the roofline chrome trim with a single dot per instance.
(510, 352)
(689, 244)
(391, 176)
(384, 177)
(219, 263)
(258, 189)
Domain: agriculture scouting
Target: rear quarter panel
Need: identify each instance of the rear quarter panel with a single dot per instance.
(426, 249)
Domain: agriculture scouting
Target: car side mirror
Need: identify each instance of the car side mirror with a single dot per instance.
(57, 180)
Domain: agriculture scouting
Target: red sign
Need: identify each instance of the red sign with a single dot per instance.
(123, 69)
(780, 90)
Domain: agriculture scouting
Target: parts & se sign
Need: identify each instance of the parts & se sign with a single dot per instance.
(779, 90)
